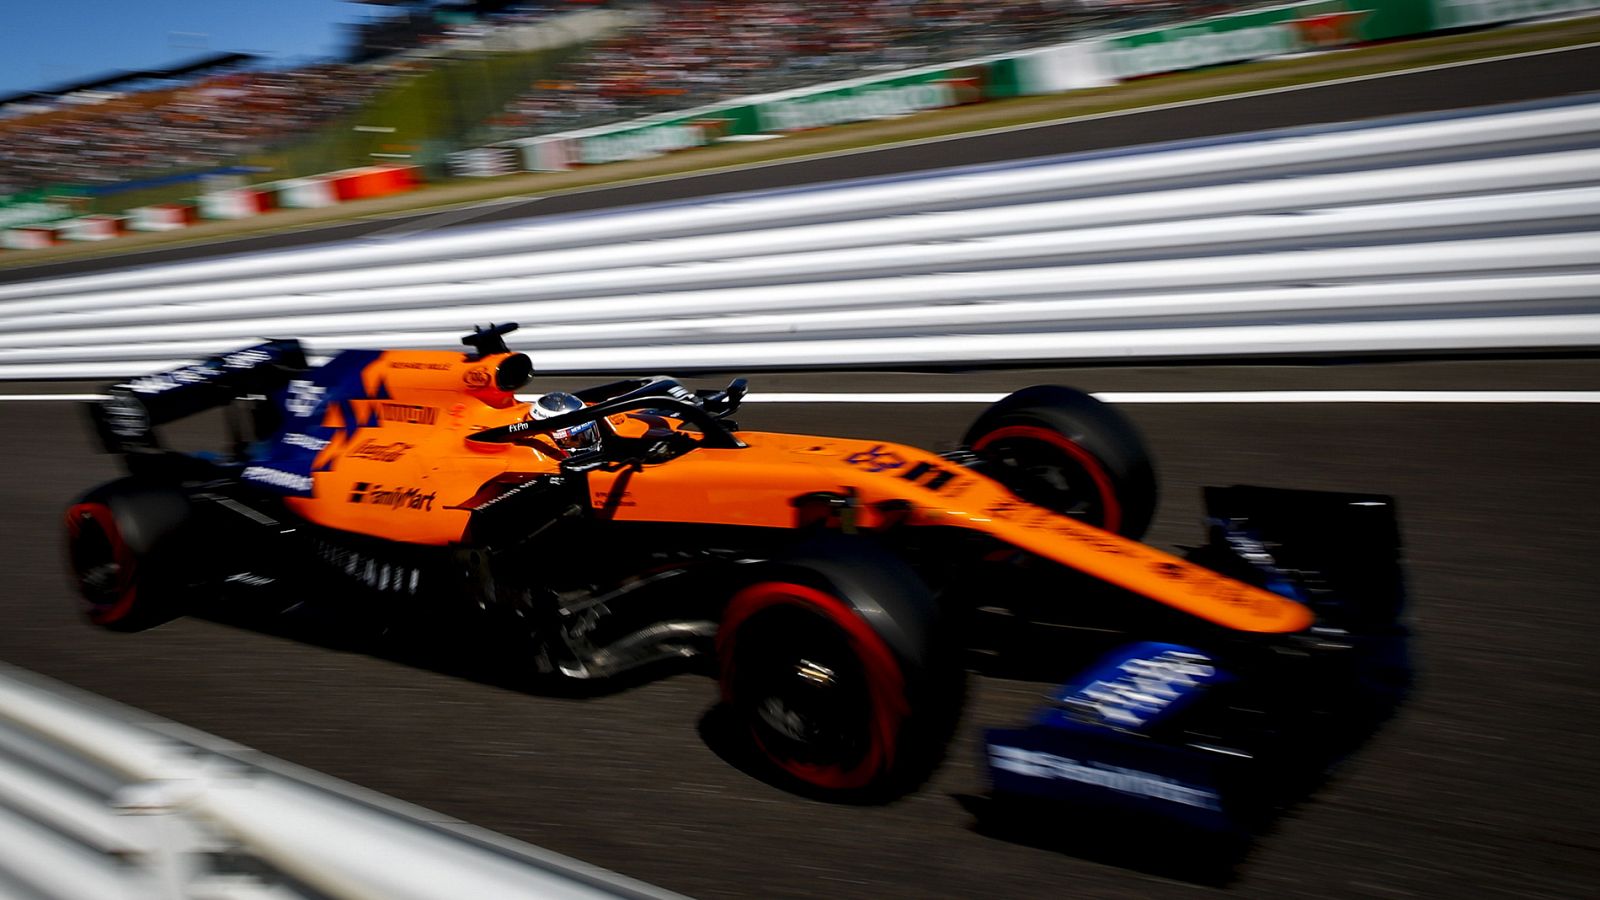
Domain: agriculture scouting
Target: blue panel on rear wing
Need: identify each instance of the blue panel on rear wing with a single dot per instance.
(125, 420)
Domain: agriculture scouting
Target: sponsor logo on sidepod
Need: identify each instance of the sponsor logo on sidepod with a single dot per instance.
(380, 452)
(395, 498)
(409, 414)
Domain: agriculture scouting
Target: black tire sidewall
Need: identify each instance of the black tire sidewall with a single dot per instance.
(149, 521)
(1098, 429)
(901, 612)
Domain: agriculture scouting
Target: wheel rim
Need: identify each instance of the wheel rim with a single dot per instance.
(102, 562)
(1048, 469)
(821, 695)
(807, 696)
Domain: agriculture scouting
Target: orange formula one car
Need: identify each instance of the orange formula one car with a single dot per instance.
(839, 588)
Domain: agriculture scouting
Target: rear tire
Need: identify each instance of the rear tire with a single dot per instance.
(122, 540)
(1064, 450)
(839, 672)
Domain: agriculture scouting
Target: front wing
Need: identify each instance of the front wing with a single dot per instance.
(1219, 737)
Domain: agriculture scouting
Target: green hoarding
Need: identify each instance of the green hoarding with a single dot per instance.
(1469, 13)
(33, 208)
(1306, 27)
(880, 98)
(1227, 39)
(883, 98)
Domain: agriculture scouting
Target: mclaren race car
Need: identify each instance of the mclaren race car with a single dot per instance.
(839, 589)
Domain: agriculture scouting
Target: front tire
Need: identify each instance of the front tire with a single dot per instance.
(1064, 450)
(837, 669)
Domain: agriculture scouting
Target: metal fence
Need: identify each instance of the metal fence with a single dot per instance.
(1443, 233)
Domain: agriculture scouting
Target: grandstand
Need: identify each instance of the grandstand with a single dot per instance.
(689, 53)
(103, 87)
(205, 123)
(407, 24)
(436, 76)
(228, 113)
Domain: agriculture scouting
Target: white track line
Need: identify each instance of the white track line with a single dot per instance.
(1213, 397)
(1216, 397)
(1352, 397)
(1121, 397)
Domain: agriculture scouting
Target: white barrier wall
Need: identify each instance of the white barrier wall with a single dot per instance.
(1281, 243)
(1066, 67)
(100, 801)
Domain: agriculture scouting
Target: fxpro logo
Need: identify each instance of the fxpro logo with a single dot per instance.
(395, 498)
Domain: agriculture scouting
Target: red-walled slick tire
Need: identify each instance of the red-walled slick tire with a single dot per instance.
(837, 670)
(122, 541)
(1064, 450)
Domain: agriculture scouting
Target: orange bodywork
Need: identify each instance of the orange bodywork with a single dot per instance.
(404, 469)
(754, 486)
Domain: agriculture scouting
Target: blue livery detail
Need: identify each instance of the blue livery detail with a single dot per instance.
(1092, 745)
(1134, 688)
(285, 462)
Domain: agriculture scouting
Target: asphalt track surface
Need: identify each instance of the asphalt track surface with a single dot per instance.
(1485, 783)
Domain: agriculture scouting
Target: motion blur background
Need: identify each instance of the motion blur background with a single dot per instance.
(1484, 784)
(440, 77)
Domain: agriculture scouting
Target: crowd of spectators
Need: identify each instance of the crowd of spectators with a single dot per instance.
(215, 121)
(693, 52)
(679, 54)
(424, 25)
(211, 122)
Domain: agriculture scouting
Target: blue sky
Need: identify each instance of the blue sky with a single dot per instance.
(43, 43)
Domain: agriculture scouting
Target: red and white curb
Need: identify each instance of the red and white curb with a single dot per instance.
(234, 203)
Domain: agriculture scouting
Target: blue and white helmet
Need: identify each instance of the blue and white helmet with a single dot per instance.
(559, 403)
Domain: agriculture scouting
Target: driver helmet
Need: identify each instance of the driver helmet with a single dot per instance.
(559, 403)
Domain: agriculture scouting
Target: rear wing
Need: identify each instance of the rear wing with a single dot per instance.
(125, 419)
